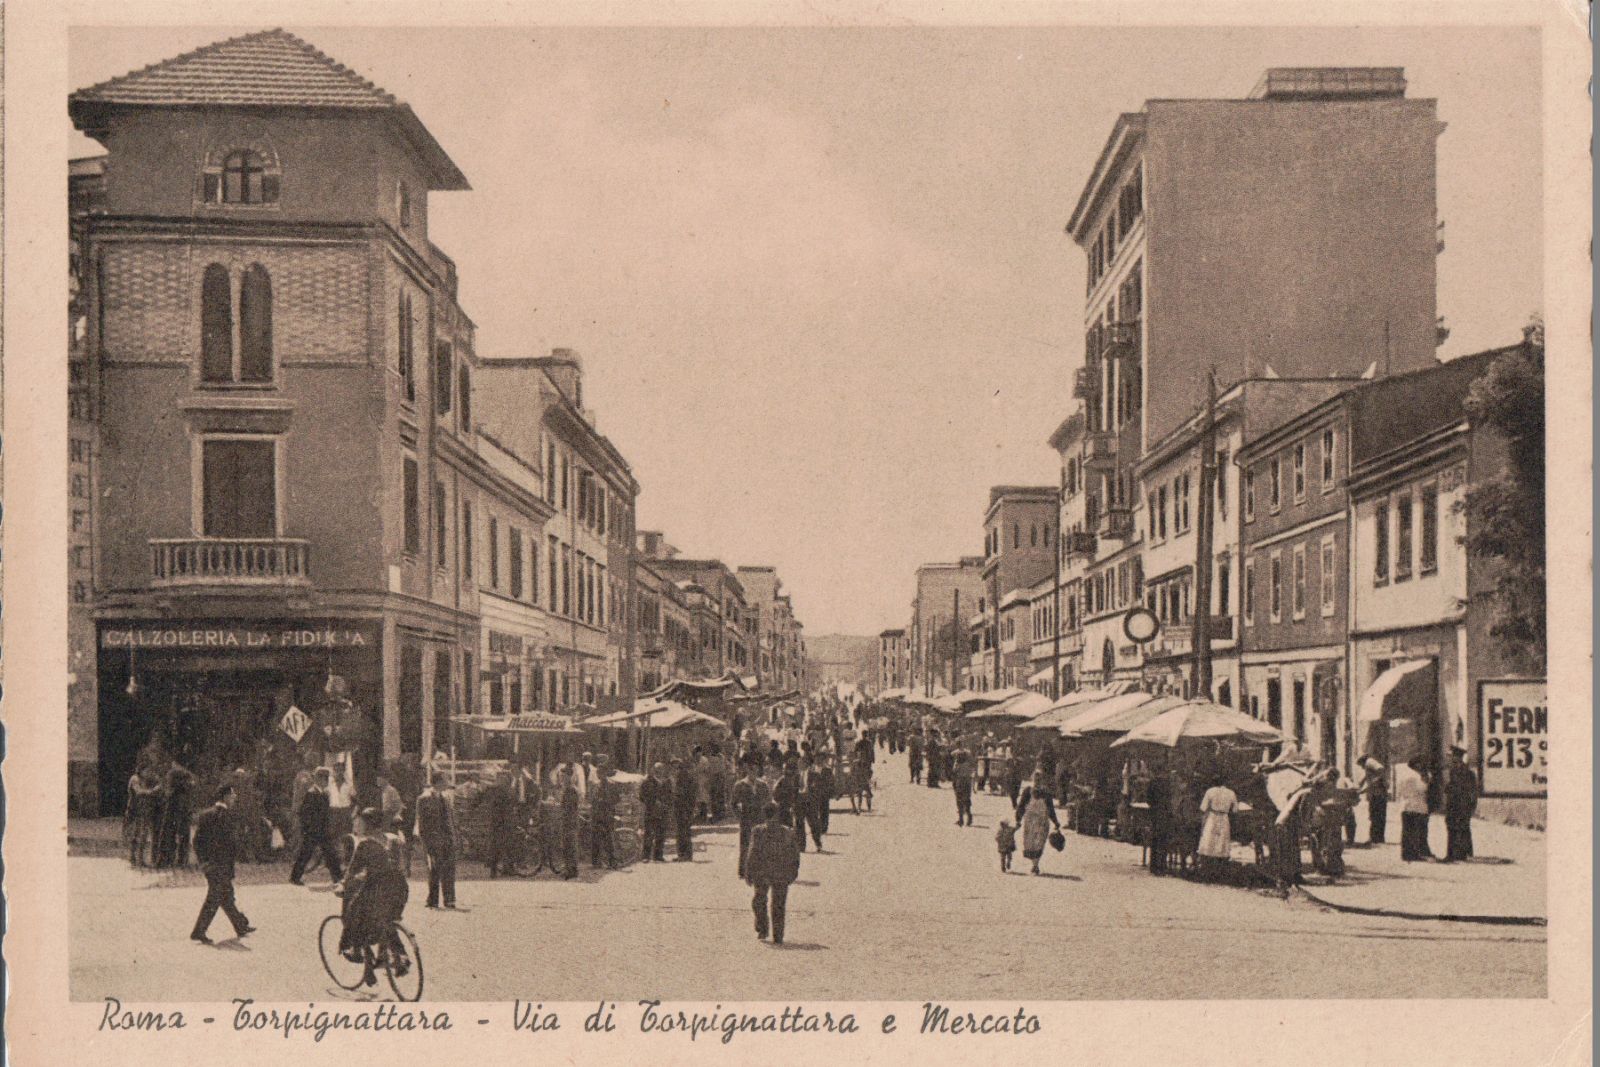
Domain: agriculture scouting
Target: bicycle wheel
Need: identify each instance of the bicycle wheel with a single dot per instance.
(345, 975)
(405, 975)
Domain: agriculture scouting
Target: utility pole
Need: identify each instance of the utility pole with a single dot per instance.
(1202, 563)
(955, 630)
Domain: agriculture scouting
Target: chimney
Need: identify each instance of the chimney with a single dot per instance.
(566, 370)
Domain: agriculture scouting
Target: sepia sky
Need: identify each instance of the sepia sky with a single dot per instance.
(818, 276)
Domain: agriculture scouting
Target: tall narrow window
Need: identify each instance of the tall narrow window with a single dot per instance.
(1402, 536)
(514, 543)
(465, 399)
(1275, 587)
(402, 203)
(1275, 484)
(1249, 495)
(1222, 484)
(1299, 581)
(1223, 576)
(239, 488)
(1329, 576)
(1430, 528)
(466, 539)
(216, 325)
(552, 558)
(1300, 471)
(533, 568)
(1248, 594)
(441, 524)
(1380, 545)
(255, 325)
(494, 553)
(443, 376)
(1328, 439)
(413, 508)
(407, 355)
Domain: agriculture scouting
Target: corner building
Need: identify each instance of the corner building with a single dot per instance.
(280, 381)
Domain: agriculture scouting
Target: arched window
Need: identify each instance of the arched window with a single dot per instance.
(255, 326)
(241, 176)
(216, 325)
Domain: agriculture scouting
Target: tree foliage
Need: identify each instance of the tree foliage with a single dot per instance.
(1506, 516)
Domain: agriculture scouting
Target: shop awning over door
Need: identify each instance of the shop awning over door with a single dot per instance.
(1407, 690)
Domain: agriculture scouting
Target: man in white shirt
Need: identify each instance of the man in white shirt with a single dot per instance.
(1411, 789)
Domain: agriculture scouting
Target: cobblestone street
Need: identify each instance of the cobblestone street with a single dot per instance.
(903, 905)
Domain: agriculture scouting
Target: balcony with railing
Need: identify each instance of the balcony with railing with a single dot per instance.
(1116, 524)
(1079, 543)
(1119, 338)
(1099, 450)
(266, 561)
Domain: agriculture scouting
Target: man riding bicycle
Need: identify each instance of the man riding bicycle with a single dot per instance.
(375, 892)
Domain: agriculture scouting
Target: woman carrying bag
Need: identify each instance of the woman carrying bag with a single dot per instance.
(1036, 814)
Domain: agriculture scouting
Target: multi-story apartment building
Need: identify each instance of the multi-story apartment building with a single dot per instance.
(722, 622)
(276, 461)
(894, 659)
(1169, 514)
(771, 637)
(1419, 641)
(1019, 549)
(583, 563)
(1045, 606)
(1293, 601)
(1267, 207)
(946, 595)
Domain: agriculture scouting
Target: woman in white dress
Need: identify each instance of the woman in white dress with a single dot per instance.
(1216, 829)
(1036, 813)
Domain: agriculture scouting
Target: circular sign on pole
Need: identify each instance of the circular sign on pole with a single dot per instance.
(1141, 626)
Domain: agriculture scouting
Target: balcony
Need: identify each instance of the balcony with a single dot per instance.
(1116, 524)
(1080, 543)
(1099, 450)
(1119, 338)
(267, 561)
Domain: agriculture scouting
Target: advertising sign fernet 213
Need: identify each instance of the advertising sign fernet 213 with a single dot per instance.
(1514, 733)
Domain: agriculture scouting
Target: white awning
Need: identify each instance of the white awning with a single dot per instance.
(1387, 688)
(1040, 675)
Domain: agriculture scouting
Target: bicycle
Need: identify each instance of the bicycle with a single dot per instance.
(404, 972)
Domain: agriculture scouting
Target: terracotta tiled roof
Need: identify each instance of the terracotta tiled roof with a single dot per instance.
(269, 68)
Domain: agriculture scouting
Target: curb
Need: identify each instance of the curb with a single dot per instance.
(1389, 913)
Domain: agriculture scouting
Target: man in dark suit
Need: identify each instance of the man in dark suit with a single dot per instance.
(217, 847)
(502, 828)
(655, 797)
(818, 795)
(436, 828)
(772, 866)
(1158, 794)
(961, 785)
(750, 799)
(790, 796)
(685, 794)
(314, 837)
(602, 811)
(1460, 801)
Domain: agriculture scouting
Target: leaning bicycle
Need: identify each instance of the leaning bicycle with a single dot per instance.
(397, 956)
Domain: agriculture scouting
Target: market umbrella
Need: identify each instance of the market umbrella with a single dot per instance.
(1201, 720)
(1021, 706)
(1065, 708)
(1115, 717)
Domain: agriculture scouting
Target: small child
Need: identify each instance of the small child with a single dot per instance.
(1006, 838)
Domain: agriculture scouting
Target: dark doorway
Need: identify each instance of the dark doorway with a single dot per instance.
(1275, 702)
